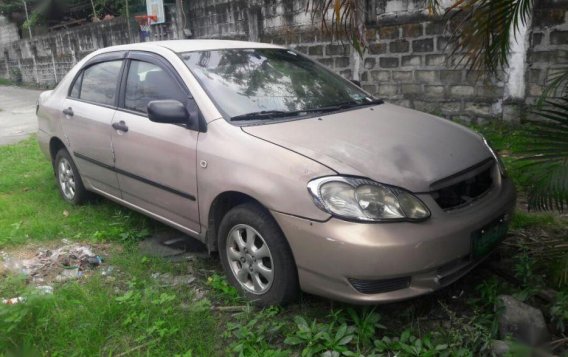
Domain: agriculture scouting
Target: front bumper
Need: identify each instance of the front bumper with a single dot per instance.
(410, 259)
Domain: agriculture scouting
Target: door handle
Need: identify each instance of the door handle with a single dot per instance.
(121, 125)
(68, 112)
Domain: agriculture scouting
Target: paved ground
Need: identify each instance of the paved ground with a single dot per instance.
(17, 113)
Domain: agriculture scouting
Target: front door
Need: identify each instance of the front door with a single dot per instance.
(155, 162)
(88, 112)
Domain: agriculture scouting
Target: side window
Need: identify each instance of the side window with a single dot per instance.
(75, 91)
(147, 82)
(99, 82)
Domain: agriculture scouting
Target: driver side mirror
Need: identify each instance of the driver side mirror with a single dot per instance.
(168, 111)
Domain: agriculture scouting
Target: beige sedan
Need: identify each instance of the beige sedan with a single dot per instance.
(295, 176)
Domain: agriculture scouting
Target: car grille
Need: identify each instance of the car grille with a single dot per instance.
(380, 286)
(465, 187)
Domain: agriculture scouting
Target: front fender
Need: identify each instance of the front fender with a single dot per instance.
(231, 160)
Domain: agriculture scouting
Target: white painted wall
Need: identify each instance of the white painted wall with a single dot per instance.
(515, 76)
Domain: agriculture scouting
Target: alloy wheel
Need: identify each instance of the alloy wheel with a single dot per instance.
(250, 259)
(66, 178)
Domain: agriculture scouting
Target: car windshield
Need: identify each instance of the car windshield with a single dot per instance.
(268, 83)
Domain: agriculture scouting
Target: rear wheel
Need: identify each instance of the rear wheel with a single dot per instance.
(256, 256)
(68, 179)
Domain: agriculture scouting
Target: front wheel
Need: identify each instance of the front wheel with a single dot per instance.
(68, 179)
(256, 257)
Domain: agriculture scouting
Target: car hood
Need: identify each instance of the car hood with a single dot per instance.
(387, 143)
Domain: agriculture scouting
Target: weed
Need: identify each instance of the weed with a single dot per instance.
(524, 270)
(225, 290)
(32, 209)
(5, 82)
(559, 311)
(320, 338)
(469, 334)
(559, 271)
(366, 323)
(102, 316)
(409, 345)
(488, 291)
(255, 334)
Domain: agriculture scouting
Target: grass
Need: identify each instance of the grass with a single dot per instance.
(106, 316)
(32, 210)
(132, 313)
(5, 82)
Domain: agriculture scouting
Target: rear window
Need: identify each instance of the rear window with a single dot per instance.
(99, 83)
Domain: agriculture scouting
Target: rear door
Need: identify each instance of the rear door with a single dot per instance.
(155, 162)
(88, 111)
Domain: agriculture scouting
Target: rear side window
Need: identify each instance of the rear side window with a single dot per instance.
(147, 82)
(99, 82)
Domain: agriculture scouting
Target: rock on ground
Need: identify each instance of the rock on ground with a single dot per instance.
(523, 322)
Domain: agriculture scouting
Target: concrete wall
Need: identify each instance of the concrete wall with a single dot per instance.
(407, 61)
(45, 59)
(8, 31)
(548, 50)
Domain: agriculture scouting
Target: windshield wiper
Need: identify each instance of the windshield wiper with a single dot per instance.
(346, 105)
(262, 114)
(269, 114)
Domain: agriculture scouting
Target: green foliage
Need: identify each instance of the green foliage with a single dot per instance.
(5, 82)
(318, 338)
(255, 334)
(409, 345)
(224, 290)
(32, 208)
(9, 6)
(481, 30)
(34, 18)
(559, 311)
(488, 291)
(545, 167)
(102, 316)
(366, 322)
(471, 334)
(525, 270)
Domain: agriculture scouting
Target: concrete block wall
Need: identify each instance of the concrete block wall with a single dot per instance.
(45, 59)
(548, 50)
(8, 31)
(407, 61)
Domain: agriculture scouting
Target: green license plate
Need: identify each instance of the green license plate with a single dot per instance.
(484, 240)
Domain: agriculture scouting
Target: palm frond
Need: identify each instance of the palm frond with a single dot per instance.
(433, 7)
(482, 30)
(343, 19)
(544, 164)
(556, 86)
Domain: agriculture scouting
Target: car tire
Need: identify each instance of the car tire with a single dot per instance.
(261, 268)
(68, 179)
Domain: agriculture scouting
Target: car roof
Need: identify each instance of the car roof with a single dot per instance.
(191, 45)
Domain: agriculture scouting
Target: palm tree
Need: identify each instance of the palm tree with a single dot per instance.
(480, 37)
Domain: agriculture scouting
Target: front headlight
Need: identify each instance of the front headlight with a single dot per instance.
(500, 164)
(360, 199)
